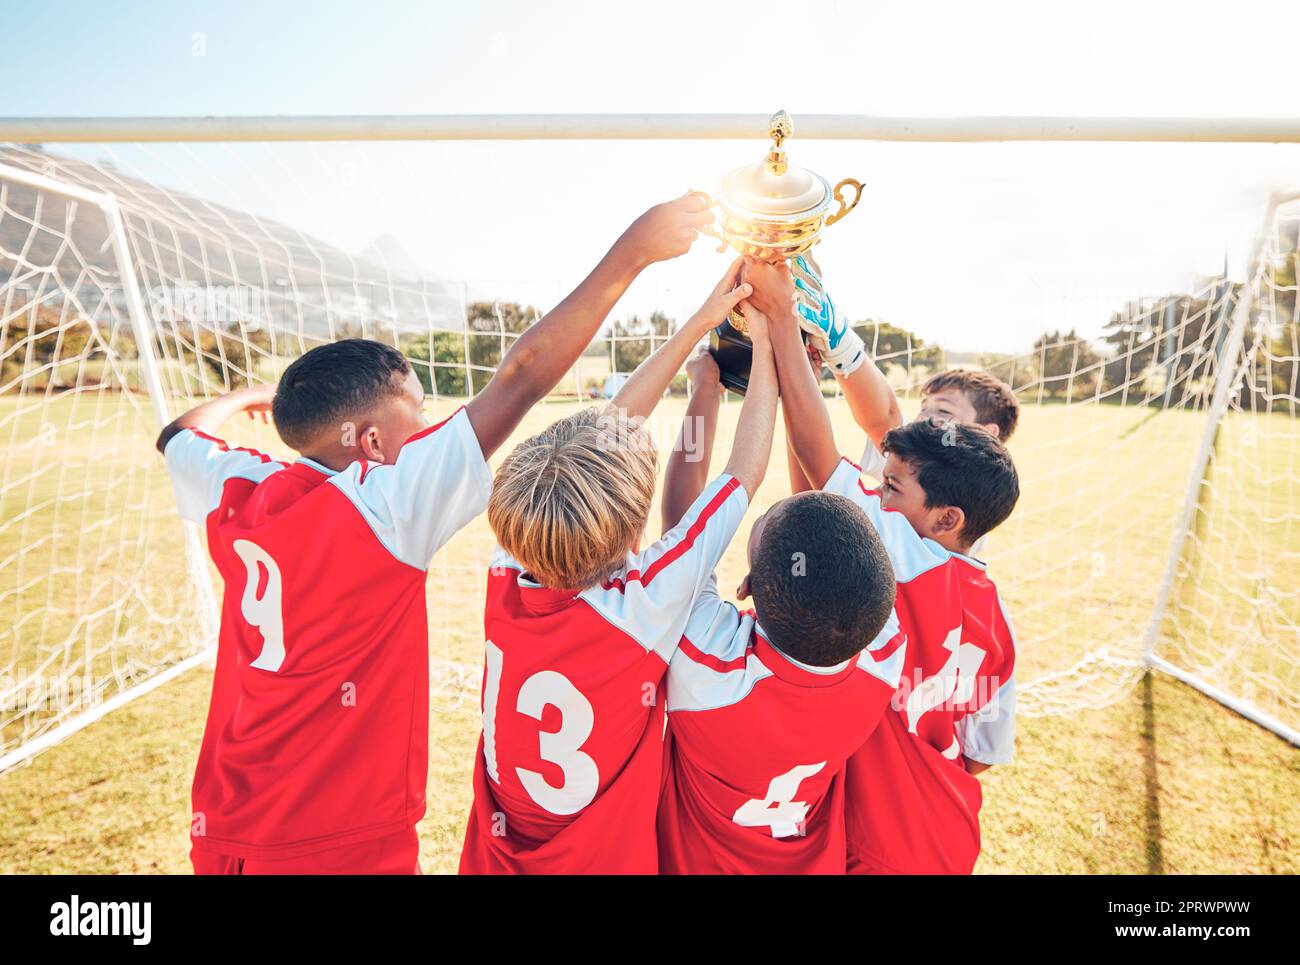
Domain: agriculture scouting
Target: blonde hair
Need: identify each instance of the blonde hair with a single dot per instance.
(570, 502)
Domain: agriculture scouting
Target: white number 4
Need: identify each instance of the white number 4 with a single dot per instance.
(779, 811)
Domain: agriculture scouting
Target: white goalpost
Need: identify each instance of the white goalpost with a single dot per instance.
(1159, 526)
(1238, 358)
(77, 711)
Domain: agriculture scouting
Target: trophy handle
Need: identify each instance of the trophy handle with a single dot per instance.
(712, 232)
(839, 196)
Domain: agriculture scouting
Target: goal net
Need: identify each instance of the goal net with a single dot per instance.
(1158, 518)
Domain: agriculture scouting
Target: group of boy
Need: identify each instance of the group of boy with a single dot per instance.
(633, 720)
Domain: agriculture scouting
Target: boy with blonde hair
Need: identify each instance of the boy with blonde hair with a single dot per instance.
(580, 624)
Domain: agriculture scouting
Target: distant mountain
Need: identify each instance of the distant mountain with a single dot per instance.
(386, 250)
(180, 240)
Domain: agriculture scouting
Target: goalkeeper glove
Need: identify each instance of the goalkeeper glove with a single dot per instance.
(841, 347)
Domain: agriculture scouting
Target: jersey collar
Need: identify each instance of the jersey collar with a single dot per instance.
(540, 599)
(313, 464)
(971, 560)
(792, 671)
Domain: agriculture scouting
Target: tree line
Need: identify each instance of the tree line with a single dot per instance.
(1160, 350)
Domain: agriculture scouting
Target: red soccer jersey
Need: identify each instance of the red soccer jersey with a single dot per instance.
(569, 763)
(757, 742)
(911, 805)
(317, 731)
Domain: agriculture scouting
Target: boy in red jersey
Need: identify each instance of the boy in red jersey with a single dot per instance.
(971, 396)
(314, 757)
(958, 395)
(580, 625)
(765, 707)
(912, 798)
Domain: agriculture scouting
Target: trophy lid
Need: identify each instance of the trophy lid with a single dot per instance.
(772, 188)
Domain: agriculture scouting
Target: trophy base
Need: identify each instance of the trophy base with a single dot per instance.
(734, 353)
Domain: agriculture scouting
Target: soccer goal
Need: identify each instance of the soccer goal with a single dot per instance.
(1159, 449)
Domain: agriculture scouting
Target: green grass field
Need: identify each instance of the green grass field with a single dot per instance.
(1115, 773)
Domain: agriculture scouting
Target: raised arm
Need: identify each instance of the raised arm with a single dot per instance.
(540, 357)
(751, 449)
(798, 480)
(688, 466)
(806, 417)
(871, 400)
(642, 392)
(210, 416)
(870, 397)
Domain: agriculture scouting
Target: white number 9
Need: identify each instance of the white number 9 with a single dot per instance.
(262, 612)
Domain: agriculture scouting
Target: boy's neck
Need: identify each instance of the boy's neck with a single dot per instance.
(954, 545)
(333, 459)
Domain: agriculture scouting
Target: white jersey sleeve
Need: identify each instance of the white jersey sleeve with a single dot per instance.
(652, 596)
(873, 462)
(200, 465)
(439, 482)
(989, 734)
(712, 668)
(910, 554)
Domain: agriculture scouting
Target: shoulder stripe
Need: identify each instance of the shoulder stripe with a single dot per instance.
(432, 429)
(696, 655)
(693, 533)
(366, 466)
(225, 447)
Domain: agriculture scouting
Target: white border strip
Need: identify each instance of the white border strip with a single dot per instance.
(88, 717)
(512, 127)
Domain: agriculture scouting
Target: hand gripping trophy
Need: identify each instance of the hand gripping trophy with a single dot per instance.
(773, 212)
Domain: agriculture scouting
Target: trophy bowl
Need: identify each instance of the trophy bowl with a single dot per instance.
(769, 211)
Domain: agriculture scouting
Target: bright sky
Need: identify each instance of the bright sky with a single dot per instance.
(979, 247)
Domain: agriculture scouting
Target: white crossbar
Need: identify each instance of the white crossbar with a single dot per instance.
(511, 127)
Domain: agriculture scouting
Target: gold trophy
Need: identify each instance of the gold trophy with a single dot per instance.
(769, 211)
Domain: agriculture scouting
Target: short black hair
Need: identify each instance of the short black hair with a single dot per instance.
(822, 583)
(332, 383)
(959, 465)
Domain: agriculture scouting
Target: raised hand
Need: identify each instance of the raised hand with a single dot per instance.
(726, 295)
(829, 331)
(667, 230)
(257, 398)
(702, 371)
(757, 323)
(774, 291)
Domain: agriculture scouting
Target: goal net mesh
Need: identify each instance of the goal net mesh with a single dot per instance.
(1233, 616)
(99, 592)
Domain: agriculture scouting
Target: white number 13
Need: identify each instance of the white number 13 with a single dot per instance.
(562, 748)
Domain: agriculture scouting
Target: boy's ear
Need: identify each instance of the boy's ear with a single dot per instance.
(949, 521)
(742, 591)
(370, 444)
(992, 429)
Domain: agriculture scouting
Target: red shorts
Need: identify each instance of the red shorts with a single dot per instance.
(396, 854)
